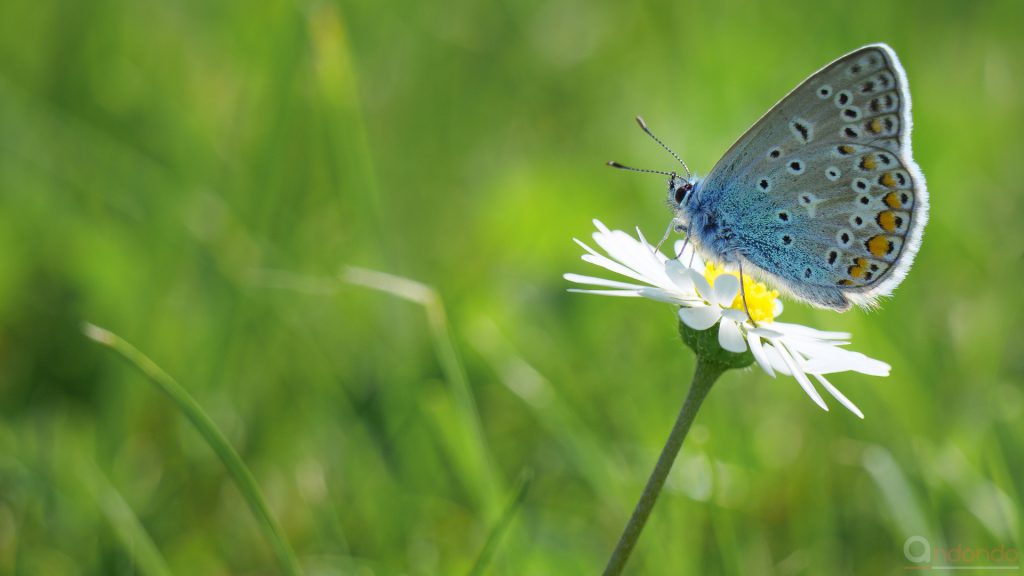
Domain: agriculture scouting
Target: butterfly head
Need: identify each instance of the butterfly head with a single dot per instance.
(683, 199)
(679, 191)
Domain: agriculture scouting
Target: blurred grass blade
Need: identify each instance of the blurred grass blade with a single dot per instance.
(989, 503)
(897, 492)
(351, 167)
(213, 436)
(522, 487)
(127, 528)
(469, 420)
(578, 443)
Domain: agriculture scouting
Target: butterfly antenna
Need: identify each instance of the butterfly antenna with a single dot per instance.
(643, 126)
(614, 164)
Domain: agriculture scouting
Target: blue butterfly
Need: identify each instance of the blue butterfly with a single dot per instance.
(821, 197)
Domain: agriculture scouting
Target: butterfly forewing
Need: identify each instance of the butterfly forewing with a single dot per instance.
(832, 163)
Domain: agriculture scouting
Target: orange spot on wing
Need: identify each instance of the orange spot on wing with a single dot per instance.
(892, 200)
(875, 126)
(868, 162)
(859, 270)
(887, 220)
(879, 246)
(888, 180)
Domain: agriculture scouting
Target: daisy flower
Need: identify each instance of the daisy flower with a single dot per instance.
(708, 294)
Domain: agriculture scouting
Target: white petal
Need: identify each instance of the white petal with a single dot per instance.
(758, 351)
(727, 287)
(828, 357)
(681, 245)
(676, 272)
(634, 260)
(670, 297)
(626, 293)
(700, 283)
(775, 359)
(608, 264)
(595, 281)
(799, 375)
(852, 361)
(639, 250)
(627, 253)
(839, 396)
(870, 366)
(583, 245)
(627, 250)
(738, 316)
(689, 255)
(730, 337)
(766, 333)
(809, 347)
(658, 256)
(609, 242)
(800, 330)
(700, 317)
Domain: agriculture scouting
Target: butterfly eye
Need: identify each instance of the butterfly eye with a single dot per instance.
(682, 192)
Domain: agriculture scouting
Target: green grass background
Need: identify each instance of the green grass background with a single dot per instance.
(194, 175)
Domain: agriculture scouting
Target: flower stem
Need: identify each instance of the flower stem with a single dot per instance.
(705, 375)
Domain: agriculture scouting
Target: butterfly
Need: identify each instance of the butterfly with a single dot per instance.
(821, 197)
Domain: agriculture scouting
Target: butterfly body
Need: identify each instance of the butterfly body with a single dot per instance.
(821, 197)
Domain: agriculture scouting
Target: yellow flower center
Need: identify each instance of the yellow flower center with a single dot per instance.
(760, 300)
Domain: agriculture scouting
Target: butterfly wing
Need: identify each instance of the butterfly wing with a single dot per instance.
(822, 193)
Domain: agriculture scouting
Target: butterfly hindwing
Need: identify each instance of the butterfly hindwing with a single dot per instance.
(823, 193)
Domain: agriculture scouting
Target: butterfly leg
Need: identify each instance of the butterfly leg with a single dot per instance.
(743, 294)
(668, 232)
(683, 249)
(686, 241)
